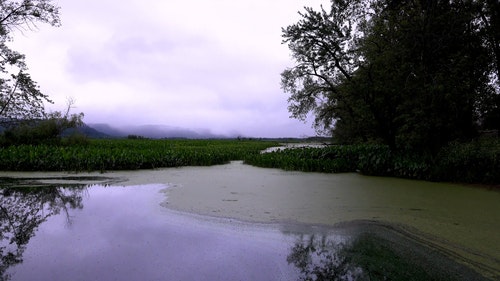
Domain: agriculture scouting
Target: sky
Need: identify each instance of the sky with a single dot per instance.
(194, 64)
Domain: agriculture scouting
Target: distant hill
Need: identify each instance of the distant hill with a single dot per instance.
(102, 131)
(154, 132)
(89, 132)
(85, 129)
(107, 130)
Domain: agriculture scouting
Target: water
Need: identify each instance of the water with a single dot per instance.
(121, 233)
(237, 222)
(294, 145)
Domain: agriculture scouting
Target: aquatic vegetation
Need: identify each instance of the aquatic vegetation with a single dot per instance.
(474, 162)
(333, 159)
(124, 154)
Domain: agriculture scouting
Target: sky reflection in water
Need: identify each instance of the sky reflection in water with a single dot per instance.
(123, 233)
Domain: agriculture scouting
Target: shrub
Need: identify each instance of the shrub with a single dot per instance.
(40, 132)
(477, 161)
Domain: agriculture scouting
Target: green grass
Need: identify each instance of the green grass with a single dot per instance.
(101, 155)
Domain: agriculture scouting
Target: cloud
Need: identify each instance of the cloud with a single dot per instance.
(196, 64)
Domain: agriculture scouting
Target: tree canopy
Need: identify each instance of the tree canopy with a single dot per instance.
(413, 74)
(20, 96)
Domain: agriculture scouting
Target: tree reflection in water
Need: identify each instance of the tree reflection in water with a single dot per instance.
(371, 256)
(320, 258)
(23, 209)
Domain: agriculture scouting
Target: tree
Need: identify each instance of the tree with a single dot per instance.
(410, 74)
(489, 18)
(48, 130)
(426, 69)
(324, 47)
(20, 96)
(489, 12)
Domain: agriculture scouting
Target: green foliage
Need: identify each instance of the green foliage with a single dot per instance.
(45, 131)
(75, 139)
(135, 137)
(474, 162)
(20, 96)
(331, 159)
(101, 155)
(411, 74)
(302, 159)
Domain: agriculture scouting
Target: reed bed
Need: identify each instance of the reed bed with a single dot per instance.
(125, 154)
(472, 162)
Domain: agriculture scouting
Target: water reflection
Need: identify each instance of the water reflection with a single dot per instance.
(22, 210)
(320, 258)
(124, 234)
(372, 251)
(363, 257)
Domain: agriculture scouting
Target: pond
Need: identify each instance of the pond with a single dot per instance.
(238, 222)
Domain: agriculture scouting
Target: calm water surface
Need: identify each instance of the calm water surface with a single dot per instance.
(122, 233)
(237, 222)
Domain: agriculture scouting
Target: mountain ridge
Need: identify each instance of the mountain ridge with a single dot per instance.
(153, 131)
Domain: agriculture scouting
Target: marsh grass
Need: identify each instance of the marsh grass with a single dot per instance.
(472, 162)
(123, 154)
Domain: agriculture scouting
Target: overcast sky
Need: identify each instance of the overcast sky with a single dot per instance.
(192, 64)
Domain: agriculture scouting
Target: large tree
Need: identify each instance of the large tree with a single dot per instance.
(489, 14)
(20, 96)
(408, 73)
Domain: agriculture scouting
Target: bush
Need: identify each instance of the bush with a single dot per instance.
(45, 131)
(32, 134)
(474, 162)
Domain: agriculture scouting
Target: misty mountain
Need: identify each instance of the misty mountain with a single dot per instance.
(102, 131)
(155, 132)
(107, 130)
(88, 131)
